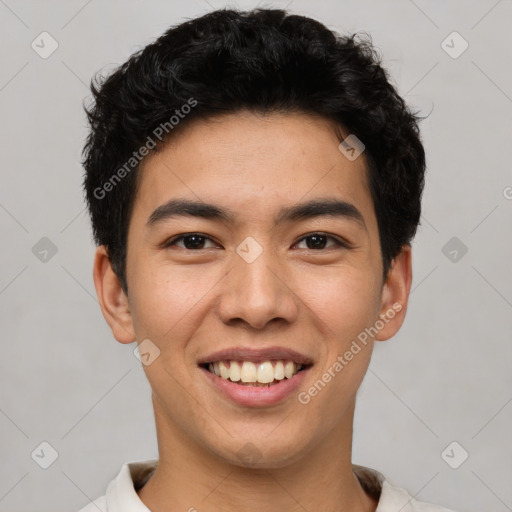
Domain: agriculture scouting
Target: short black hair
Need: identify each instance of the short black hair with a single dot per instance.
(263, 60)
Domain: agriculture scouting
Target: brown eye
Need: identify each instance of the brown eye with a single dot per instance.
(193, 241)
(319, 241)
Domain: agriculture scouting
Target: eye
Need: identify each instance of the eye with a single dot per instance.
(191, 241)
(318, 241)
(198, 241)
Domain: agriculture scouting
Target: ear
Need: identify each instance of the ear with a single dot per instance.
(113, 301)
(395, 294)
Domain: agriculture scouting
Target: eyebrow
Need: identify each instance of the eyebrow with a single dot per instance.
(302, 211)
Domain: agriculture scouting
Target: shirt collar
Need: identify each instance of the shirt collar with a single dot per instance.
(122, 491)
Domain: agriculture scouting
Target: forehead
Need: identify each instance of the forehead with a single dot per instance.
(253, 164)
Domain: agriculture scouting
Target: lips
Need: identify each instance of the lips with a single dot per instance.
(256, 355)
(255, 377)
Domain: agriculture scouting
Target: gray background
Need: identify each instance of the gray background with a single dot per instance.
(445, 377)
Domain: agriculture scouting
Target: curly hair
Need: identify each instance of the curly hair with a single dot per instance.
(264, 60)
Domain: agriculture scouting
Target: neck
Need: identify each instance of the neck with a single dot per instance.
(188, 478)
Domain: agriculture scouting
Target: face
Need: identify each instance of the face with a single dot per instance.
(281, 263)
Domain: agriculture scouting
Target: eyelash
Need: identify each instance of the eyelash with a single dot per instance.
(337, 242)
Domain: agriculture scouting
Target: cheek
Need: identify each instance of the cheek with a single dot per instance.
(344, 305)
(344, 301)
(167, 298)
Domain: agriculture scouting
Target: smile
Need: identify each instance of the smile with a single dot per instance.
(256, 394)
(253, 377)
(248, 373)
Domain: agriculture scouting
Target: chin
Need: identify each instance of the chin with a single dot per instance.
(262, 453)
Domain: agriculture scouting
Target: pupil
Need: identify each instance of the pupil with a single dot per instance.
(319, 242)
(199, 240)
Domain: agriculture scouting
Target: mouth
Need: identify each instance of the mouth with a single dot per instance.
(256, 378)
(258, 374)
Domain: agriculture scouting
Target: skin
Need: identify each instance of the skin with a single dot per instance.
(192, 302)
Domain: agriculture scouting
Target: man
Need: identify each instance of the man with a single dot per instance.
(254, 183)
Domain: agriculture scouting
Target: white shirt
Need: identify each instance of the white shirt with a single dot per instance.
(122, 496)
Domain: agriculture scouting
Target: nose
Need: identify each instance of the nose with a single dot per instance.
(257, 293)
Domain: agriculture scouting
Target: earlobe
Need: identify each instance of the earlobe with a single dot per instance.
(395, 295)
(113, 301)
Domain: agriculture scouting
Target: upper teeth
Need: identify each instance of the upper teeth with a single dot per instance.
(248, 371)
